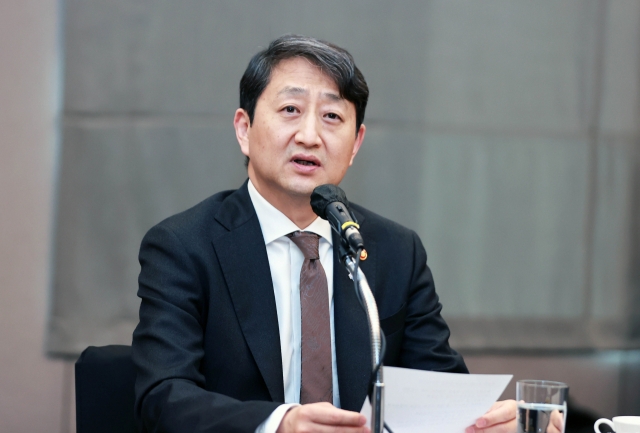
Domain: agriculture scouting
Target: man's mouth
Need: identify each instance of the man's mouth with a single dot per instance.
(304, 162)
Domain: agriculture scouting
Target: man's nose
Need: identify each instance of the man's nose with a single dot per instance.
(308, 133)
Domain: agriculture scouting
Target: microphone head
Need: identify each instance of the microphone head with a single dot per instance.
(324, 195)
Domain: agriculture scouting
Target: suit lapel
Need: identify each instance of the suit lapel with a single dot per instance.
(245, 265)
(353, 347)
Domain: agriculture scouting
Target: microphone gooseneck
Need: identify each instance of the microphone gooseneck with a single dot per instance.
(330, 203)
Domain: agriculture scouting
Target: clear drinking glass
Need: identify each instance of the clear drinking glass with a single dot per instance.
(542, 406)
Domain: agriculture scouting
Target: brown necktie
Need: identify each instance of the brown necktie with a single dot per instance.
(317, 379)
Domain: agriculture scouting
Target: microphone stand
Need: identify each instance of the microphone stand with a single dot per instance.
(377, 405)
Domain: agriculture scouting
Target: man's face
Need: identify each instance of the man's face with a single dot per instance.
(302, 135)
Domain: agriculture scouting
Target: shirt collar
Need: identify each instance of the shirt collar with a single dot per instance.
(275, 224)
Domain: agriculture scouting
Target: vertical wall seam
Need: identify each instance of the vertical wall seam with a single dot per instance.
(632, 303)
(58, 118)
(592, 173)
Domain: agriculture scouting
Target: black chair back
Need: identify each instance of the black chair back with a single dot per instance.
(105, 380)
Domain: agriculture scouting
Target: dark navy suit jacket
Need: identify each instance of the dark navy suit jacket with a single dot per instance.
(207, 348)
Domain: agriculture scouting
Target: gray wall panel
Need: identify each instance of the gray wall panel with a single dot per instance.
(505, 133)
(621, 85)
(502, 65)
(387, 173)
(503, 219)
(188, 57)
(117, 181)
(617, 160)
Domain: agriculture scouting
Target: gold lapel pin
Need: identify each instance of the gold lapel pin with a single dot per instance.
(363, 255)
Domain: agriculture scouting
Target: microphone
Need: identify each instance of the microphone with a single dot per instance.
(330, 203)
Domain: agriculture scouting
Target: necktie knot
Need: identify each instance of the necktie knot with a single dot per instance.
(307, 242)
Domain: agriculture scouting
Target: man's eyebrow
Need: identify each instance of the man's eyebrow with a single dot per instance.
(293, 91)
(333, 96)
(289, 90)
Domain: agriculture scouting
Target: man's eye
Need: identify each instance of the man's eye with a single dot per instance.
(333, 116)
(290, 109)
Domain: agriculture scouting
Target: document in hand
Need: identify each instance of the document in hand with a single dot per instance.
(427, 401)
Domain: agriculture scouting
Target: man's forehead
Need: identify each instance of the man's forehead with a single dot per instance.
(302, 91)
(298, 71)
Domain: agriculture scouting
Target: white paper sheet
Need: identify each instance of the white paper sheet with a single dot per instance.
(426, 401)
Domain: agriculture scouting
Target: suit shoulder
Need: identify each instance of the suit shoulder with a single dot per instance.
(197, 219)
(374, 221)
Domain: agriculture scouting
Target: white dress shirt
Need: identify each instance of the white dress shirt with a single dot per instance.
(285, 262)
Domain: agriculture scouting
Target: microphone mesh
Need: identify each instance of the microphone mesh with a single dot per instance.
(325, 194)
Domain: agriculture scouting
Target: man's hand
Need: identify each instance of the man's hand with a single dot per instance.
(322, 417)
(556, 422)
(501, 418)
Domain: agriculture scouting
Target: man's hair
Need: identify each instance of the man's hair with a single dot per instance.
(332, 60)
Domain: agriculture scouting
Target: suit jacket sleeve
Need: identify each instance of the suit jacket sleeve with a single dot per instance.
(168, 347)
(426, 341)
(417, 335)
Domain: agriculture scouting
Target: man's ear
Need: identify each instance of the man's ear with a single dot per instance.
(242, 125)
(358, 142)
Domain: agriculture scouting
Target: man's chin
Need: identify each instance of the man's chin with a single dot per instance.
(301, 191)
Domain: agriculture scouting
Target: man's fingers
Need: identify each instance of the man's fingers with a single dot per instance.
(496, 405)
(556, 422)
(501, 418)
(505, 427)
(321, 418)
(325, 413)
(500, 412)
(321, 428)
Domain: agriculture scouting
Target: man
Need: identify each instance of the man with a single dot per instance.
(246, 312)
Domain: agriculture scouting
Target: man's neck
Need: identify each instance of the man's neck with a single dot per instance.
(297, 208)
